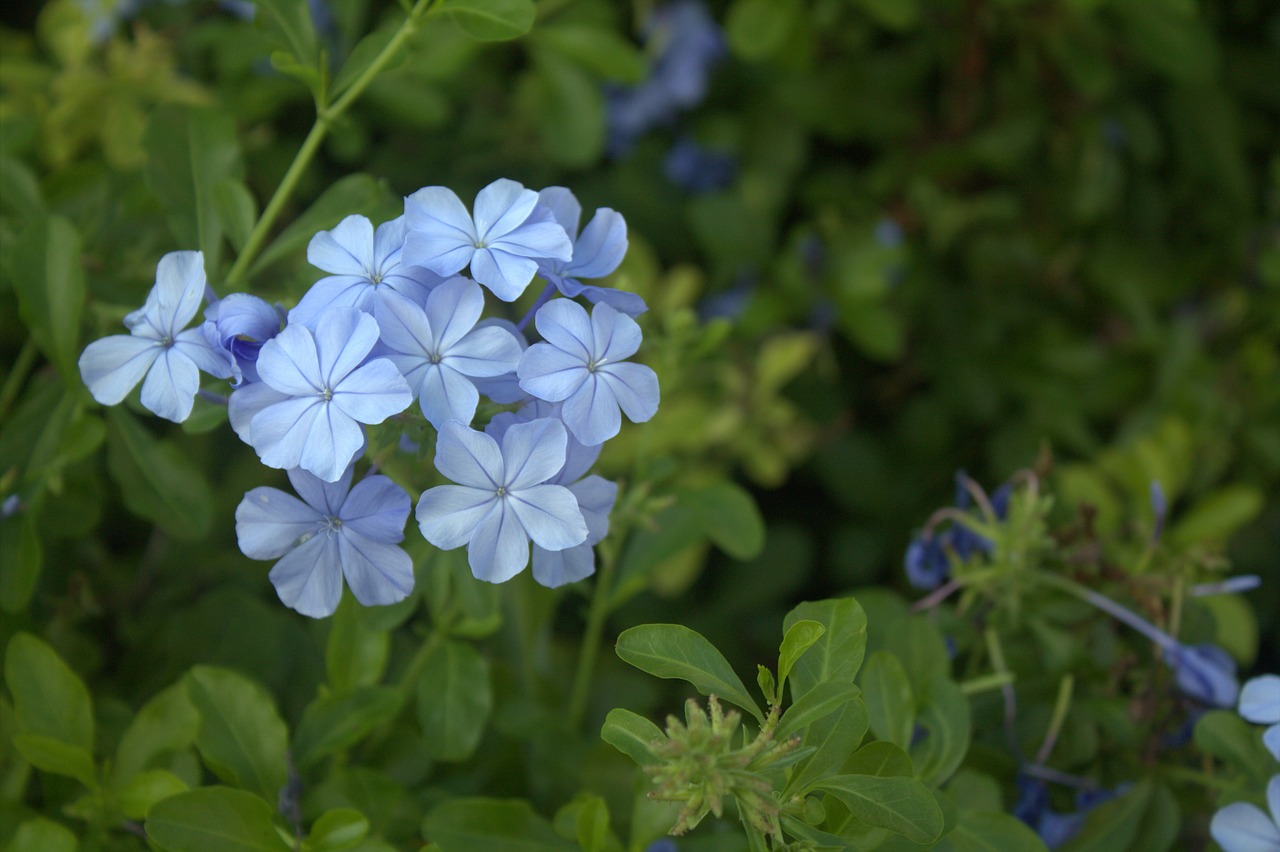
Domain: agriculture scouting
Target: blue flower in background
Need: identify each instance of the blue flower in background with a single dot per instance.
(157, 347)
(582, 364)
(597, 251)
(1056, 828)
(1242, 827)
(501, 499)
(927, 561)
(1260, 704)
(1204, 672)
(239, 325)
(698, 169)
(325, 393)
(438, 349)
(334, 531)
(365, 265)
(503, 244)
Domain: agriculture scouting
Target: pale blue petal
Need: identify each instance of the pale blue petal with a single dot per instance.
(388, 241)
(376, 509)
(336, 291)
(378, 573)
(343, 337)
(564, 208)
(196, 348)
(278, 432)
(551, 374)
(170, 387)
(445, 394)
(555, 568)
(616, 335)
(288, 362)
(501, 207)
(591, 413)
(441, 236)
(309, 577)
(404, 326)
(596, 496)
(179, 288)
(269, 522)
(506, 275)
(504, 389)
(564, 324)
(540, 237)
(448, 515)
(441, 254)
(245, 403)
(532, 452)
(601, 247)
(346, 250)
(1242, 827)
(413, 282)
(635, 386)
(1260, 700)
(620, 300)
(499, 549)
(113, 366)
(485, 352)
(1271, 739)
(453, 308)
(550, 516)
(325, 497)
(335, 440)
(374, 392)
(469, 457)
(241, 314)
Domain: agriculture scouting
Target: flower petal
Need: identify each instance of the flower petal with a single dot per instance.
(485, 352)
(404, 326)
(501, 207)
(309, 577)
(279, 431)
(1271, 739)
(373, 393)
(532, 452)
(346, 250)
(344, 337)
(376, 509)
(564, 207)
(1242, 827)
(193, 345)
(445, 394)
(555, 568)
(170, 387)
(333, 443)
(635, 386)
(288, 362)
(505, 274)
(1260, 700)
(245, 403)
(441, 236)
(453, 309)
(326, 498)
(549, 515)
(499, 549)
(449, 515)
(469, 457)
(269, 522)
(591, 413)
(564, 324)
(179, 288)
(596, 496)
(335, 291)
(601, 247)
(377, 572)
(550, 373)
(388, 242)
(616, 335)
(113, 366)
(540, 237)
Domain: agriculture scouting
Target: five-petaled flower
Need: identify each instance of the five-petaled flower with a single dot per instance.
(157, 346)
(334, 531)
(597, 251)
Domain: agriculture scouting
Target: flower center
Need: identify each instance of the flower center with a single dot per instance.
(332, 524)
(167, 341)
(326, 393)
(502, 491)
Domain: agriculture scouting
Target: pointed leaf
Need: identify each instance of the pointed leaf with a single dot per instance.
(491, 20)
(49, 699)
(821, 701)
(888, 695)
(57, 757)
(48, 279)
(901, 805)
(242, 738)
(632, 734)
(799, 638)
(156, 480)
(454, 701)
(675, 651)
(336, 721)
(837, 654)
(214, 819)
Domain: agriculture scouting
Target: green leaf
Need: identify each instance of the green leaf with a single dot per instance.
(1224, 735)
(190, 150)
(879, 758)
(1217, 516)
(799, 638)
(887, 692)
(356, 653)
(338, 829)
(897, 15)
(768, 686)
(1113, 826)
(42, 835)
(758, 28)
(944, 715)
(454, 701)
(821, 701)
(1170, 37)
(237, 210)
(288, 24)
(144, 789)
(337, 721)
(833, 739)
(491, 20)
(985, 831)
(60, 758)
(242, 738)
(901, 805)
(837, 655)
(363, 56)
(19, 187)
(598, 49)
(48, 279)
(632, 734)
(734, 522)
(566, 104)
(167, 723)
(484, 825)
(21, 559)
(675, 651)
(49, 699)
(214, 819)
(591, 826)
(156, 480)
(358, 193)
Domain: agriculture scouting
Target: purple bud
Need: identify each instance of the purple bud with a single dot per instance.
(1205, 673)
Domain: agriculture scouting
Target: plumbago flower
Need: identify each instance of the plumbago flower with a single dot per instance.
(502, 499)
(1260, 704)
(238, 325)
(582, 364)
(365, 265)
(502, 244)
(157, 347)
(597, 251)
(1242, 827)
(334, 531)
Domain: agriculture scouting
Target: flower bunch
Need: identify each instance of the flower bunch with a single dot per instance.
(395, 321)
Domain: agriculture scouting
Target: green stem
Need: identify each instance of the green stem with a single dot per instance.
(975, 685)
(1060, 708)
(13, 382)
(325, 118)
(591, 637)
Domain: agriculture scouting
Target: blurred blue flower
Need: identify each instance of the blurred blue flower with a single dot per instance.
(597, 251)
(239, 325)
(501, 499)
(510, 233)
(698, 169)
(1159, 508)
(1056, 828)
(323, 390)
(888, 232)
(927, 561)
(334, 531)
(582, 364)
(157, 347)
(1260, 704)
(438, 349)
(1242, 827)
(1205, 673)
(365, 265)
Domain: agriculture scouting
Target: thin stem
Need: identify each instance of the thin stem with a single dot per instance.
(1111, 608)
(413, 672)
(1060, 708)
(591, 637)
(13, 382)
(1010, 697)
(975, 685)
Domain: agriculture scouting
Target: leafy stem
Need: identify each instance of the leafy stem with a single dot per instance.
(596, 615)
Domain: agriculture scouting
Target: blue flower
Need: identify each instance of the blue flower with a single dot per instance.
(1260, 704)
(501, 499)
(1056, 828)
(1205, 673)
(157, 347)
(502, 244)
(238, 325)
(1242, 827)
(926, 562)
(439, 349)
(365, 265)
(334, 531)
(326, 392)
(582, 365)
(597, 251)
(698, 169)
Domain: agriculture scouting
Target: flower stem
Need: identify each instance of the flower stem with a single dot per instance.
(17, 375)
(592, 636)
(1111, 608)
(1060, 708)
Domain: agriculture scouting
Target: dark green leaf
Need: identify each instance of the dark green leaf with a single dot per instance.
(758, 28)
(242, 738)
(879, 758)
(21, 558)
(833, 738)
(837, 655)
(632, 734)
(48, 278)
(1217, 515)
(340, 720)
(49, 699)
(984, 831)
(144, 789)
(491, 20)
(887, 692)
(1113, 826)
(944, 715)
(237, 210)
(485, 825)
(901, 805)
(675, 651)
(356, 654)
(454, 701)
(288, 24)
(734, 522)
(598, 49)
(165, 724)
(363, 56)
(1223, 734)
(157, 482)
(214, 819)
(567, 105)
(338, 829)
(821, 701)
(350, 195)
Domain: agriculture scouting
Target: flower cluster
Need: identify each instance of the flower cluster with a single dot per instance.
(396, 321)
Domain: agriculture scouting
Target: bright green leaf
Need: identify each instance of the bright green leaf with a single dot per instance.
(833, 738)
(675, 651)
(632, 734)
(338, 829)
(214, 819)
(48, 278)
(491, 20)
(837, 654)
(57, 757)
(887, 692)
(49, 699)
(1217, 516)
(144, 789)
(42, 835)
(799, 638)
(821, 701)
(901, 805)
